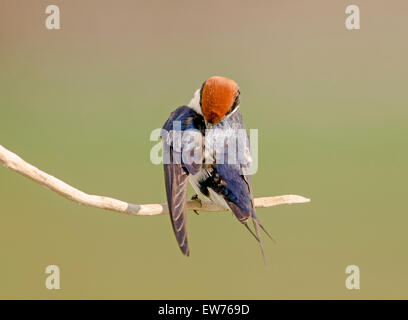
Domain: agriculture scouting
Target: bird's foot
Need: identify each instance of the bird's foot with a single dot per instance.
(196, 198)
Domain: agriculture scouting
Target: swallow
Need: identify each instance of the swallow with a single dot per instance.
(214, 110)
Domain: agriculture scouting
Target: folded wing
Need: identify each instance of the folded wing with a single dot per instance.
(180, 160)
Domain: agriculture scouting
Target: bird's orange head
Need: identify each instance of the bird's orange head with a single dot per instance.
(219, 97)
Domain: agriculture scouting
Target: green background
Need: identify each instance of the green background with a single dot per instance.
(331, 109)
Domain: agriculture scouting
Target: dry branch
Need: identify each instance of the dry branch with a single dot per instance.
(14, 162)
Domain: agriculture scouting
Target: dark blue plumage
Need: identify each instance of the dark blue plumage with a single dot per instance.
(213, 175)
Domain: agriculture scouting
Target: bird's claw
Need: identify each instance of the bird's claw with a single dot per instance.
(196, 198)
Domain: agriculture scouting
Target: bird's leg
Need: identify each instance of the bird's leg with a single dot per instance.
(196, 198)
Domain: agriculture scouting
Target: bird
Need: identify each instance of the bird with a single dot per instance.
(213, 111)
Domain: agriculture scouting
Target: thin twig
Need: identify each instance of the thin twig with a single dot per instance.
(14, 162)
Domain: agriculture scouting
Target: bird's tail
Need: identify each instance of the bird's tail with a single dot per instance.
(257, 224)
(243, 217)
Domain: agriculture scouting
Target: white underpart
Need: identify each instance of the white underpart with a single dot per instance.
(194, 181)
(214, 197)
(218, 199)
(195, 102)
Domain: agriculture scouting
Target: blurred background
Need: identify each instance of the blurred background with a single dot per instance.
(331, 109)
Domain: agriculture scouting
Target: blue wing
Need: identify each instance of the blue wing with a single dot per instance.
(179, 162)
(230, 179)
(235, 185)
